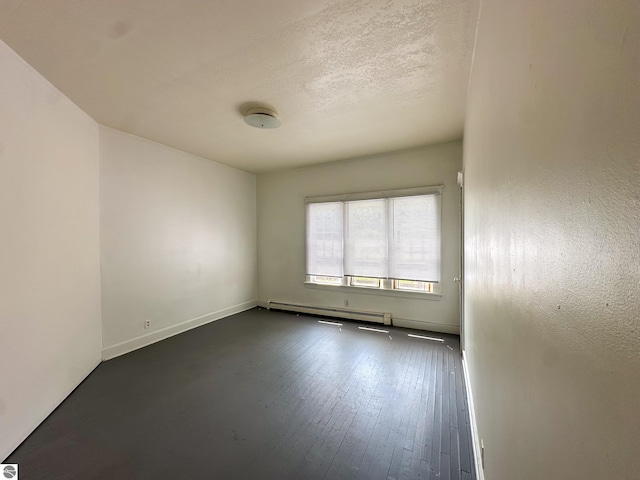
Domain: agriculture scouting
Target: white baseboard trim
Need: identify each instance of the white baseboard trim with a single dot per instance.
(145, 340)
(475, 437)
(425, 325)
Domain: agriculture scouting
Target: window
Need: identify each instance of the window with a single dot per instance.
(327, 280)
(324, 239)
(370, 282)
(391, 242)
(413, 286)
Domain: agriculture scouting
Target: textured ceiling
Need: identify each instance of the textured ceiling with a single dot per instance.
(348, 77)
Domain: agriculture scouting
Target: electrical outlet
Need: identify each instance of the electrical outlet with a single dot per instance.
(482, 453)
(346, 302)
(147, 324)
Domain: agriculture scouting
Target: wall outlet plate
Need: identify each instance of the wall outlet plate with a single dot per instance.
(147, 324)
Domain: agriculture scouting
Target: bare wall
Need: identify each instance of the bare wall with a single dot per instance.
(178, 239)
(50, 333)
(281, 230)
(552, 168)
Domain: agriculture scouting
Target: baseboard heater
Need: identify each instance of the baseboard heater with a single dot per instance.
(337, 312)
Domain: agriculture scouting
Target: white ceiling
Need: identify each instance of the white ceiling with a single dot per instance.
(348, 77)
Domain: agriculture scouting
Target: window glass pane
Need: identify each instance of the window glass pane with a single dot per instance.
(327, 280)
(324, 239)
(366, 238)
(414, 251)
(364, 282)
(413, 285)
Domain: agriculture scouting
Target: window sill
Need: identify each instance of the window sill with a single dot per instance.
(376, 291)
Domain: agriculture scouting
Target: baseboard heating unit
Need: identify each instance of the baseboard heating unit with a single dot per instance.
(337, 312)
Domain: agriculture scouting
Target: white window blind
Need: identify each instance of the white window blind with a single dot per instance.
(366, 252)
(324, 239)
(414, 238)
(392, 234)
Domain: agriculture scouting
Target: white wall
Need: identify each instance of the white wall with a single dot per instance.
(49, 249)
(178, 237)
(281, 230)
(552, 166)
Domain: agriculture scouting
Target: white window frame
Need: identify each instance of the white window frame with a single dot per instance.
(387, 286)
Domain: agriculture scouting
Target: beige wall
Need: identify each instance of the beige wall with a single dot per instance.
(49, 248)
(178, 236)
(281, 230)
(552, 165)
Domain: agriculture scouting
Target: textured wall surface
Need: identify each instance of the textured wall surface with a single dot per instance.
(50, 334)
(178, 238)
(552, 169)
(281, 231)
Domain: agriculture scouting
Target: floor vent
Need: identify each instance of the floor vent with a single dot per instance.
(384, 318)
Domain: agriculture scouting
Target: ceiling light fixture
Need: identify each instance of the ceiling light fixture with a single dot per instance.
(262, 117)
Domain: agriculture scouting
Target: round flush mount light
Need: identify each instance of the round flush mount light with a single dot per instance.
(262, 117)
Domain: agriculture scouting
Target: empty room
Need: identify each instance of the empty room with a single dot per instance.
(320, 240)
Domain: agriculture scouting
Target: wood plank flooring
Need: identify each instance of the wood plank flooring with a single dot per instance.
(264, 395)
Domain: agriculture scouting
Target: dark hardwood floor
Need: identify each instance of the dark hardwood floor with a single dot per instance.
(264, 395)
